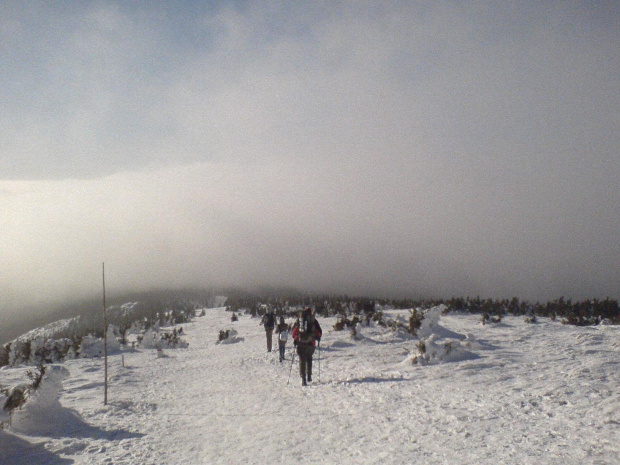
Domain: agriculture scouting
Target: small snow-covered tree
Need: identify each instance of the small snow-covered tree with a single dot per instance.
(37, 376)
(18, 395)
(415, 321)
(5, 350)
(224, 333)
(19, 353)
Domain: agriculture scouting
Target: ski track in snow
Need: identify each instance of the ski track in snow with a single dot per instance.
(541, 393)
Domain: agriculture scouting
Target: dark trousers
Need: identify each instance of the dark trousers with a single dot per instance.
(305, 352)
(269, 334)
(282, 347)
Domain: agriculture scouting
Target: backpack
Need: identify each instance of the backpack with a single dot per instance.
(284, 335)
(306, 327)
(270, 321)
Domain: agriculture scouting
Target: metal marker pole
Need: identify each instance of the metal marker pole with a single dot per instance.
(105, 343)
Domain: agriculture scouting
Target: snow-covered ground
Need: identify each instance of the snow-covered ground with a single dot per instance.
(507, 393)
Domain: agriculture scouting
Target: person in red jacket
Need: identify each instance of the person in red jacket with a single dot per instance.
(306, 332)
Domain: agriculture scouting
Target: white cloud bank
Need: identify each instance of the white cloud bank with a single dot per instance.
(399, 149)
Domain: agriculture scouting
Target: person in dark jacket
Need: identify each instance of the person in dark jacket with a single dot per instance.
(282, 331)
(306, 332)
(269, 322)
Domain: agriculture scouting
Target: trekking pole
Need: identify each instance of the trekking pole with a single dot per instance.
(319, 360)
(291, 369)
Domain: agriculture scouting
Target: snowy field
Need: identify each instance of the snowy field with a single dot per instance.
(507, 393)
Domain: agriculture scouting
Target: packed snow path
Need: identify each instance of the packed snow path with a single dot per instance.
(536, 393)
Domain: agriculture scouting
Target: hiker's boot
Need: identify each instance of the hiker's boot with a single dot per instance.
(309, 377)
(303, 381)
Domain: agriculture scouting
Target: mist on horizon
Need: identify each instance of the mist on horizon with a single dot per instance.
(397, 149)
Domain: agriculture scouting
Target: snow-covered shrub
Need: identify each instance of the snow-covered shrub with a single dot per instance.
(228, 336)
(5, 350)
(36, 376)
(42, 414)
(41, 350)
(530, 319)
(71, 353)
(486, 318)
(18, 395)
(92, 346)
(428, 322)
(344, 322)
(20, 352)
(421, 346)
(224, 334)
(430, 325)
(432, 351)
(74, 351)
(173, 340)
(149, 339)
(415, 321)
(49, 350)
(377, 317)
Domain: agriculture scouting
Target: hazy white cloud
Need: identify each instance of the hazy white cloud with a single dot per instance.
(426, 149)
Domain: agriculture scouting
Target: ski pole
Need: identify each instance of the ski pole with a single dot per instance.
(319, 360)
(291, 369)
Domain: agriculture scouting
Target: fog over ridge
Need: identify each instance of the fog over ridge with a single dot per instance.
(393, 149)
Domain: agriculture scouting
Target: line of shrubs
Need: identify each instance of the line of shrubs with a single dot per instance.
(582, 313)
(75, 338)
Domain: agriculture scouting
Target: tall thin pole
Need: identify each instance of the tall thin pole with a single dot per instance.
(105, 343)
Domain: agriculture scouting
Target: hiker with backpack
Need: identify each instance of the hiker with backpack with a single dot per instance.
(306, 332)
(282, 331)
(269, 322)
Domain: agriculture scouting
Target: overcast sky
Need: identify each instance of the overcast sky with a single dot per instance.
(390, 148)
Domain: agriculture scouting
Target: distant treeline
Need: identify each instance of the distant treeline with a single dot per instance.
(582, 313)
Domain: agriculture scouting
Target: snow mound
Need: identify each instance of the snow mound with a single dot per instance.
(149, 339)
(430, 325)
(94, 347)
(41, 415)
(472, 343)
(438, 344)
(433, 351)
(231, 337)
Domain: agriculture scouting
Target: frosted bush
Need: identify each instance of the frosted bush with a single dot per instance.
(91, 347)
(40, 413)
(148, 340)
(228, 336)
(433, 351)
